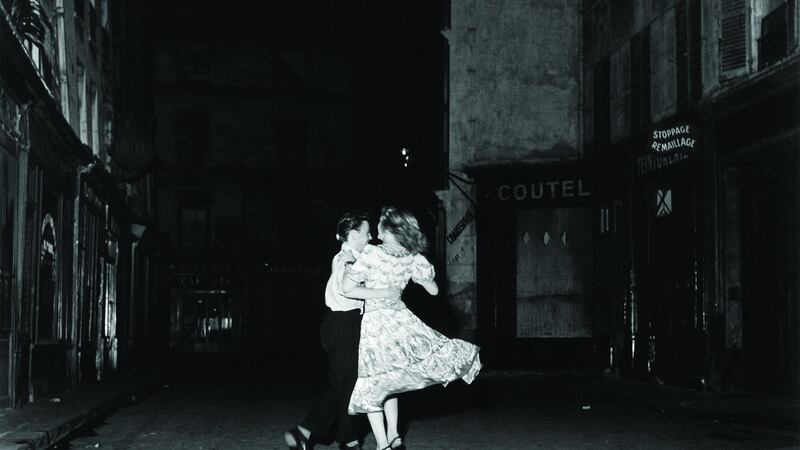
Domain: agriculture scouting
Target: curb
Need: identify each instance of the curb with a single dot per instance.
(43, 439)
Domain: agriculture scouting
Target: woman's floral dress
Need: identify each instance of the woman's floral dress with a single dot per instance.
(397, 351)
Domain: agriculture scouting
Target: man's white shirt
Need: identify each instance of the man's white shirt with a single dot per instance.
(334, 299)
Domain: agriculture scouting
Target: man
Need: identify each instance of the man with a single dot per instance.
(339, 334)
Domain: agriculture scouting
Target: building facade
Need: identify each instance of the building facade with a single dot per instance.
(65, 223)
(623, 187)
(255, 135)
(519, 261)
(695, 101)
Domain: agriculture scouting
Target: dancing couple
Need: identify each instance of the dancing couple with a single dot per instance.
(376, 347)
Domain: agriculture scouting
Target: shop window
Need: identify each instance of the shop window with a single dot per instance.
(663, 202)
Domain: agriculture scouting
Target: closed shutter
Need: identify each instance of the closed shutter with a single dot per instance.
(640, 83)
(791, 17)
(733, 36)
(681, 55)
(695, 51)
(602, 107)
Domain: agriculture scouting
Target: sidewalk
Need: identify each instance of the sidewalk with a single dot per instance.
(761, 410)
(40, 424)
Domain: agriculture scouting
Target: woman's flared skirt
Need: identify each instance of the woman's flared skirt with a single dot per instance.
(400, 353)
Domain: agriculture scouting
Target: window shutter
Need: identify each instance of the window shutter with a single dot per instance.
(790, 24)
(640, 82)
(681, 55)
(733, 36)
(695, 51)
(602, 107)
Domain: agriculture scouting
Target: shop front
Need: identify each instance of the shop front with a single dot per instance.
(207, 310)
(666, 312)
(534, 265)
(756, 345)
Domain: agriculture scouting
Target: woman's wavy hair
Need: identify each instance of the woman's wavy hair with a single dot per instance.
(405, 228)
(348, 222)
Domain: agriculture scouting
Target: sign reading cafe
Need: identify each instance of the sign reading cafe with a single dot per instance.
(668, 146)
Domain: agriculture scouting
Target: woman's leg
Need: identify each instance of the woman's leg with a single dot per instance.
(378, 428)
(390, 408)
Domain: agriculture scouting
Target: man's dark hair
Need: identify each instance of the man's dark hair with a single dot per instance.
(348, 222)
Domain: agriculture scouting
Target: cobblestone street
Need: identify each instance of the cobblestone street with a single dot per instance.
(226, 408)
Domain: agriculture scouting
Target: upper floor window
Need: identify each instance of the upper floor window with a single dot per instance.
(755, 34)
(193, 138)
(194, 64)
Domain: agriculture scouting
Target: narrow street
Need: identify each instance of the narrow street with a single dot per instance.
(236, 406)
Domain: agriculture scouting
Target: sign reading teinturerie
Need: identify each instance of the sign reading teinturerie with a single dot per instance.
(668, 146)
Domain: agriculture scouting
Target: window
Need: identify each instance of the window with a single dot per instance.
(193, 230)
(108, 128)
(290, 140)
(755, 34)
(777, 32)
(663, 84)
(620, 93)
(91, 121)
(95, 131)
(79, 14)
(192, 138)
(83, 107)
(194, 64)
(103, 14)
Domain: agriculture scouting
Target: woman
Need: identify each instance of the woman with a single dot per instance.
(397, 351)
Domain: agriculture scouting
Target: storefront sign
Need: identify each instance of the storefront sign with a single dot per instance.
(668, 146)
(460, 226)
(672, 139)
(202, 280)
(542, 190)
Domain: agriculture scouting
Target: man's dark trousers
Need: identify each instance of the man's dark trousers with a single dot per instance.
(339, 334)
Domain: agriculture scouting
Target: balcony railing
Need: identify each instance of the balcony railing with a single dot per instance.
(774, 40)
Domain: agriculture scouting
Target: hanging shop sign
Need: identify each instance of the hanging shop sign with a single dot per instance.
(667, 147)
(462, 224)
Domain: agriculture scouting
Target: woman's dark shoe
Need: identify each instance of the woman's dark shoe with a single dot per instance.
(296, 441)
(397, 444)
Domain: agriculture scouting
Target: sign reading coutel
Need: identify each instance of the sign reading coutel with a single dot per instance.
(543, 190)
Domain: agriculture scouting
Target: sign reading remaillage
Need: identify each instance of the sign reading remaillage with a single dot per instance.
(668, 146)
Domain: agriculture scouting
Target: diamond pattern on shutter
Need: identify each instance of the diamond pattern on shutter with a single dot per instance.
(733, 39)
